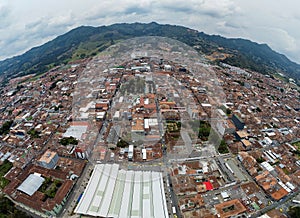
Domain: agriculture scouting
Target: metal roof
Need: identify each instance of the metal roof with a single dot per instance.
(114, 192)
(31, 184)
(75, 131)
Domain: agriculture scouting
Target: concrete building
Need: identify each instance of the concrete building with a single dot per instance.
(48, 160)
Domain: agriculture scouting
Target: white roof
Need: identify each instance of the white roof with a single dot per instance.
(114, 192)
(75, 131)
(144, 152)
(267, 166)
(31, 184)
(224, 195)
(146, 123)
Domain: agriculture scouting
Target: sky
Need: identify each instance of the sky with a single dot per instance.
(26, 24)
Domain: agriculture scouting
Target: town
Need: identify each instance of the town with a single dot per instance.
(150, 137)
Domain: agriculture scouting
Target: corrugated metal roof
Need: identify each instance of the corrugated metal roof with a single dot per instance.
(112, 192)
(31, 184)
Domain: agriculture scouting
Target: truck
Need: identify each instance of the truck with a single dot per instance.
(130, 152)
(174, 210)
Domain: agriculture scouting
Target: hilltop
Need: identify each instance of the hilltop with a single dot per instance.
(87, 41)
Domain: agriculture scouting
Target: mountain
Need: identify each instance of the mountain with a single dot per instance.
(87, 41)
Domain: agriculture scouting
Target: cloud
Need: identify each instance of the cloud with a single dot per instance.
(278, 39)
(27, 24)
(5, 14)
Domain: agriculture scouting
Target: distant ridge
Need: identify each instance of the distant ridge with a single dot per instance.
(87, 41)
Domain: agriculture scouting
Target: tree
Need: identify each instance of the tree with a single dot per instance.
(294, 212)
(260, 160)
(228, 111)
(8, 209)
(69, 140)
(204, 132)
(6, 127)
(122, 143)
(33, 133)
(223, 149)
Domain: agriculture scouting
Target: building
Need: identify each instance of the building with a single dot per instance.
(230, 208)
(114, 192)
(31, 184)
(130, 152)
(238, 122)
(24, 190)
(48, 160)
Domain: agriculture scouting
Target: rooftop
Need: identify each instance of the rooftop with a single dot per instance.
(47, 156)
(31, 184)
(230, 208)
(105, 195)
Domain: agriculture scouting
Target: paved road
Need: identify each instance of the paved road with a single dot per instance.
(174, 198)
(275, 205)
(77, 190)
(187, 141)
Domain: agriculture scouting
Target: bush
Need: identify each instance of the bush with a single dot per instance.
(69, 140)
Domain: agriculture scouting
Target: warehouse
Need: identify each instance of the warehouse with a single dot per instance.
(105, 196)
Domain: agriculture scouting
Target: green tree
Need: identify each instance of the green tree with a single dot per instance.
(228, 111)
(33, 133)
(122, 143)
(8, 209)
(6, 127)
(260, 160)
(223, 149)
(294, 212)
(69, 140)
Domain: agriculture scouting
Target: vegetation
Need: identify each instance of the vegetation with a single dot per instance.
(6, 127)
(68, 140)
(223, 149)
(173, 126)
(45, 184)
(204, 132)
(228, 111)
(8, 209)
(202, 128)
(33, 133)
(84, 42)
(122, 143)
(297, 144)
(4, 168)
(294, 212)
(49, 187)
(229, 208)
(297, 152)
(260, 160)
